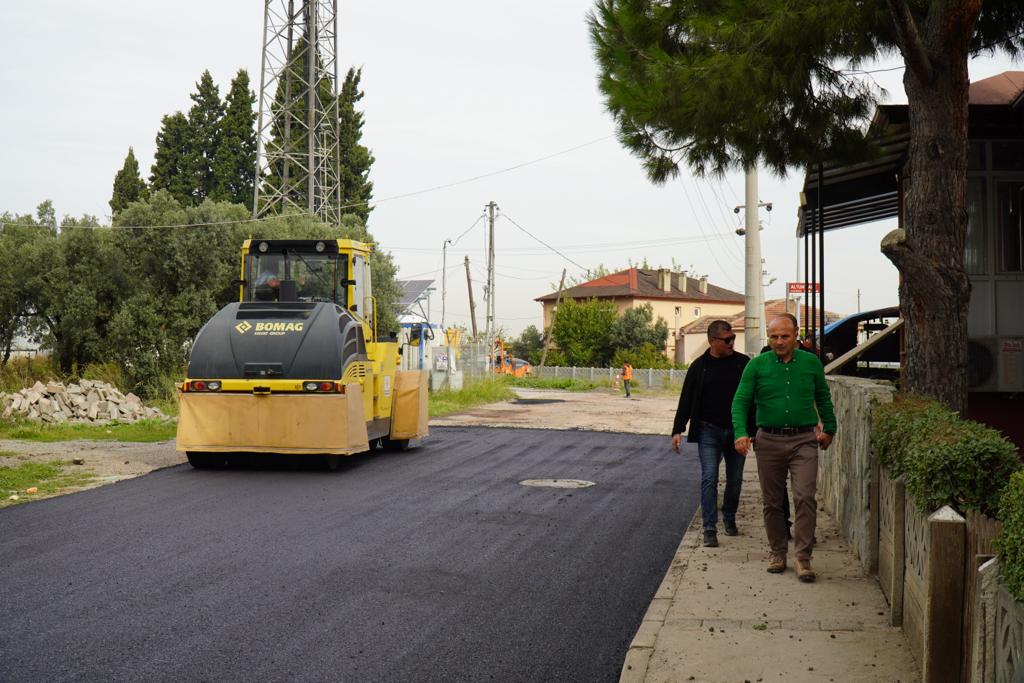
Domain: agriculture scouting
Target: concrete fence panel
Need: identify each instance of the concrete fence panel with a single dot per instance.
(891, 541)
(847, 478)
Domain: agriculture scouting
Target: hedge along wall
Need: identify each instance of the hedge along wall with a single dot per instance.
(943, 460)
(845, 477)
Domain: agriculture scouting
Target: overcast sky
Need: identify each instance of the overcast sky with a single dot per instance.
(454, 90)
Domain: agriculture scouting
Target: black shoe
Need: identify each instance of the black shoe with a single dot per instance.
(710, 539)
(731, 530)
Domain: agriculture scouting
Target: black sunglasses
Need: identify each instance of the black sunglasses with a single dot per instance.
(727, 340)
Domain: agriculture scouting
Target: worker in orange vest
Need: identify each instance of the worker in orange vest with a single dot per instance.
(627, 376)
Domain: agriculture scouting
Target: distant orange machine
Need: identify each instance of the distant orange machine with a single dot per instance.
(505, 365)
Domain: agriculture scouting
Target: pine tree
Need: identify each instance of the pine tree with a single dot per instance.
(716, 86)
(128, 184)
(171, 169)
(204, 120)
(234, 166)
(355, 159)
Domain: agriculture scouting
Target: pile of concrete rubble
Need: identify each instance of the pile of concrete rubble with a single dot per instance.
(87, 401)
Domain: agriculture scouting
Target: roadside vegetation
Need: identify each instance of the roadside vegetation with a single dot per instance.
(146, 431)
(945, 460)
(47, 478)
(448, 401)
(562, 383)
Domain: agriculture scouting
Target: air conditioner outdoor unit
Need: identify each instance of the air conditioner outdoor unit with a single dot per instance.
(1011, 364)
(982, 364)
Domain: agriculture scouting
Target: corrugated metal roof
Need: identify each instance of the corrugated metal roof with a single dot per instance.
(865, 192)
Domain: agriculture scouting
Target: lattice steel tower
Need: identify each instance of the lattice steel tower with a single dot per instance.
(297, 164)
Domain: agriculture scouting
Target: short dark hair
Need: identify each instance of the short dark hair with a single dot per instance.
(791, 318)
(717, 327)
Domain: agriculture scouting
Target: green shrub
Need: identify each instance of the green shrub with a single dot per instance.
(944, 460)
(23, 372)
(1010, 542)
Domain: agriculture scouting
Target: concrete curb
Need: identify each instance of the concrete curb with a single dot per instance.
(638, 656)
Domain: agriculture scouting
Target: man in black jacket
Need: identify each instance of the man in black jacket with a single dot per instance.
(706, 402)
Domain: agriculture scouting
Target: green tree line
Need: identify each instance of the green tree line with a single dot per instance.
(137, 293)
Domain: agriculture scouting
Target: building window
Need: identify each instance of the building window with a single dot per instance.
(696, 311)
(975, 258)
(1010, 226)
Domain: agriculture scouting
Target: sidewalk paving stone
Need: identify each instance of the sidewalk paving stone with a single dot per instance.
(719, 616)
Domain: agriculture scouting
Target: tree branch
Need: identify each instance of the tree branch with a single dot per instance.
(909, 39)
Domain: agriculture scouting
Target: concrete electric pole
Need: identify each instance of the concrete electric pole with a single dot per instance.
(472, 306)
(753, 295)
(490, 328)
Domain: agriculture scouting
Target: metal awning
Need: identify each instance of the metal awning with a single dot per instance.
(857, 193)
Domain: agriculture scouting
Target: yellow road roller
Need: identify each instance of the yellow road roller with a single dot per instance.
(295, 366)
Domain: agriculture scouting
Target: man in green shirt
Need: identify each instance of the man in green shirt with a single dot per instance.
(789, 389)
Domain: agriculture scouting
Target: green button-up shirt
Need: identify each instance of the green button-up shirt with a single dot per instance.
(786, 394)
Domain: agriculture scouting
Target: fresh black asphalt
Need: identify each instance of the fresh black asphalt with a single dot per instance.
(432, 565)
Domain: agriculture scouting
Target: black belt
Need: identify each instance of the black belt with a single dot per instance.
(788, 431)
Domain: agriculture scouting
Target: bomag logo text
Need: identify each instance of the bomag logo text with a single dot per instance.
(275, 329)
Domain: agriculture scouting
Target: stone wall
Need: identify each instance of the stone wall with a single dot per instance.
(846, 476)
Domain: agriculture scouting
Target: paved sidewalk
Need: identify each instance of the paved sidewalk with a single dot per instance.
(719, 616)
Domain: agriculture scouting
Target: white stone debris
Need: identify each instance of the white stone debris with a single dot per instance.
(87, 401)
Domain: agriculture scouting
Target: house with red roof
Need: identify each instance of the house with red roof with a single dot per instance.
(675, 297)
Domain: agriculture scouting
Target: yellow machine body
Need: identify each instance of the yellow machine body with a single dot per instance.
(296, 365)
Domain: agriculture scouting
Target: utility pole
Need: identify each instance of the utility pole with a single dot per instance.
(472, 306)
(554, 312)
(491, 206)
(753, 299)
(444, 278)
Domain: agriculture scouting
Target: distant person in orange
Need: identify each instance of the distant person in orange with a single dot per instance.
(627, 377)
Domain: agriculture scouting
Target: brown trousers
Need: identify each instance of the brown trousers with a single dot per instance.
(798, 456)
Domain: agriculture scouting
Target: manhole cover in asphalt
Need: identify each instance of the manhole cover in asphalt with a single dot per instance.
(537, 401)
(558, 483)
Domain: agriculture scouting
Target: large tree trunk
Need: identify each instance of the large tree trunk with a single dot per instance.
(929, 253)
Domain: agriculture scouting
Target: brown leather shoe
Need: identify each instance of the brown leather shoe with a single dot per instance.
(776, 564)
(804, 572)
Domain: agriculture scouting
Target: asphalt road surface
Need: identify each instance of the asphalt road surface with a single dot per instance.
(432, 565)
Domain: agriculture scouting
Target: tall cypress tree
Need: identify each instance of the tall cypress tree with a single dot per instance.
(171, 169)
(234, 165)
(204, 119)
(355, 159)
(128, 184)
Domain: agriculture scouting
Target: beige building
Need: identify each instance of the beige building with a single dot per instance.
(692, 339)
(675, 297)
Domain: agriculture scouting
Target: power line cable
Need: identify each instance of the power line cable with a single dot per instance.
(510, 220)
(710, 250)
(414, 193)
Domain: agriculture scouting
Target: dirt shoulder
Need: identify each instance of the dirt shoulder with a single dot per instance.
(599, 411)
(111, 461)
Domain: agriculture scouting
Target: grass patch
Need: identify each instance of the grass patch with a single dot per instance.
(48, 477)
(449, 401)
(142, 431)
(563, 383)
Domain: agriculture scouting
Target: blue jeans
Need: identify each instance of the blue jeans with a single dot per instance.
(714, 444)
